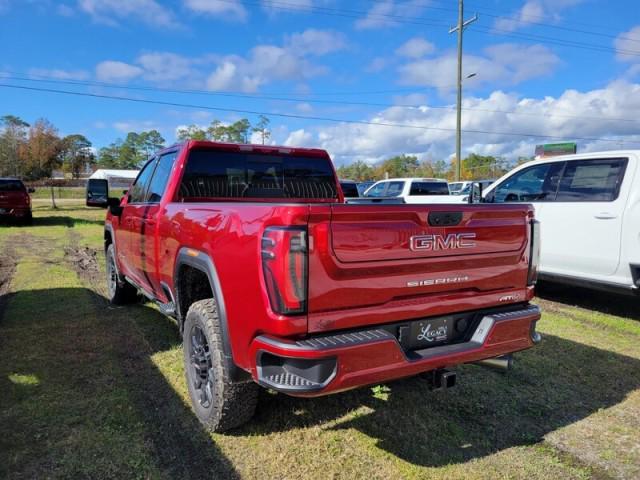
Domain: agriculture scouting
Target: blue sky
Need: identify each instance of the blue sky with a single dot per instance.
(558, 84)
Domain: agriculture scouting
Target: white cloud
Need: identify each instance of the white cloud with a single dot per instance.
(628, 42)
(291, 6)
(304, 107)
(534, 11)
(598, 113)
(111, 11)
(416, 47)
(227, 9)
(505, 63)
(315, 42)
(164, 67)
(126, 126)
(385, 13)
(60, 74)
(299, 138)
(377, 65)
(266, 63)
(113, 71)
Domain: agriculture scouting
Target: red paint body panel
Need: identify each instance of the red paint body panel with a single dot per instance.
(384, 360)
(360, 266)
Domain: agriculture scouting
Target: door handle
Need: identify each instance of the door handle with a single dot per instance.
(606, 215)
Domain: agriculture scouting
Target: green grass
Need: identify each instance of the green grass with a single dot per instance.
(92, 391)
(59, 192)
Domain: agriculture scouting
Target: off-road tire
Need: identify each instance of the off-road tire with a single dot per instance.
(119, 292)
(230, 404)
(28, 219)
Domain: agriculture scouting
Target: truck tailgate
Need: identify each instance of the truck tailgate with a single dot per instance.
(373, 264)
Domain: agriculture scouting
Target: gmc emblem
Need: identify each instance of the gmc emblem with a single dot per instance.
(442, 242)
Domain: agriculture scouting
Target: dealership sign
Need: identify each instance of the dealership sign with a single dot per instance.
(553, 149)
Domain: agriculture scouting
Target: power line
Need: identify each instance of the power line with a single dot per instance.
(258, 96)
(522, 19)
(33, 78)
(303, 117)
(430, 22)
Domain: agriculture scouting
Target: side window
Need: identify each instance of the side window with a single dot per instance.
(160, 177)
(592, 180)
(394, 189)
(533, 184)
(429, 188)
(139, 188)
(377, 190)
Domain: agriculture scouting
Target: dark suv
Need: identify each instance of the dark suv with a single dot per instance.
(15, 202)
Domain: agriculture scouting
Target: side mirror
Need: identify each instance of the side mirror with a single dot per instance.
(114, 206)
(31, 190)
(475, 193)
(97, 193)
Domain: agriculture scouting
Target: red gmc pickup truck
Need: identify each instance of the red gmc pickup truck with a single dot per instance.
(276, 281)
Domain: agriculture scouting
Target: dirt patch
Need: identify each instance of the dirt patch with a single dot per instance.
(7, 268)
(84, 261)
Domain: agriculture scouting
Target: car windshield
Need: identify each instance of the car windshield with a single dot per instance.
(10, 185)
(465, 190)
(385, 189)
(455, 187)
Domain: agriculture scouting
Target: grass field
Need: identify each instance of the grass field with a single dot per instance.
(88, 390)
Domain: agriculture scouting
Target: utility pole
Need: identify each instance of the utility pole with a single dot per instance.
(460, 29)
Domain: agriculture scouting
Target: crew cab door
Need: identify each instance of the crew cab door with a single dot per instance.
(130, 222)
(140, 218)
(582, 227)
(145, 239)
(579, 204)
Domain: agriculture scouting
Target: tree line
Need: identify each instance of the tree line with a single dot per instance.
(34, 151)
(474, 167)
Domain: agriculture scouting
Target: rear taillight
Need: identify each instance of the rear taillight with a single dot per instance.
(284, 263)
(534, 252)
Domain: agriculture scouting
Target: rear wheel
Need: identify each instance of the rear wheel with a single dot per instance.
(218, 403)
(118, 291)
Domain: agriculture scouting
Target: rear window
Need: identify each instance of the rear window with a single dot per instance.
(215, 174)
(592, 180)
(10, 185)
(429, 188)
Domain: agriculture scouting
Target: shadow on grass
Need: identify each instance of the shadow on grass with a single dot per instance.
(51, 221)
(553, 385)
(94, 368)
(603, 302)
(64, 221)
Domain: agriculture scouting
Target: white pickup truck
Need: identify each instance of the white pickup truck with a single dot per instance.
(589, 209)
(412, 190)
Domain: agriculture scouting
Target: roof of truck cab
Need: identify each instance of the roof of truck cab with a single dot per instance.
(417, 179)
(252, 147)
(585, 156)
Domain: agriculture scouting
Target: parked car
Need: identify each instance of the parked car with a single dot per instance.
(275, 281)
(463, 188)
(589, 209)
(362, 187)
(413, 190)
(15, 202)
(349, 188)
